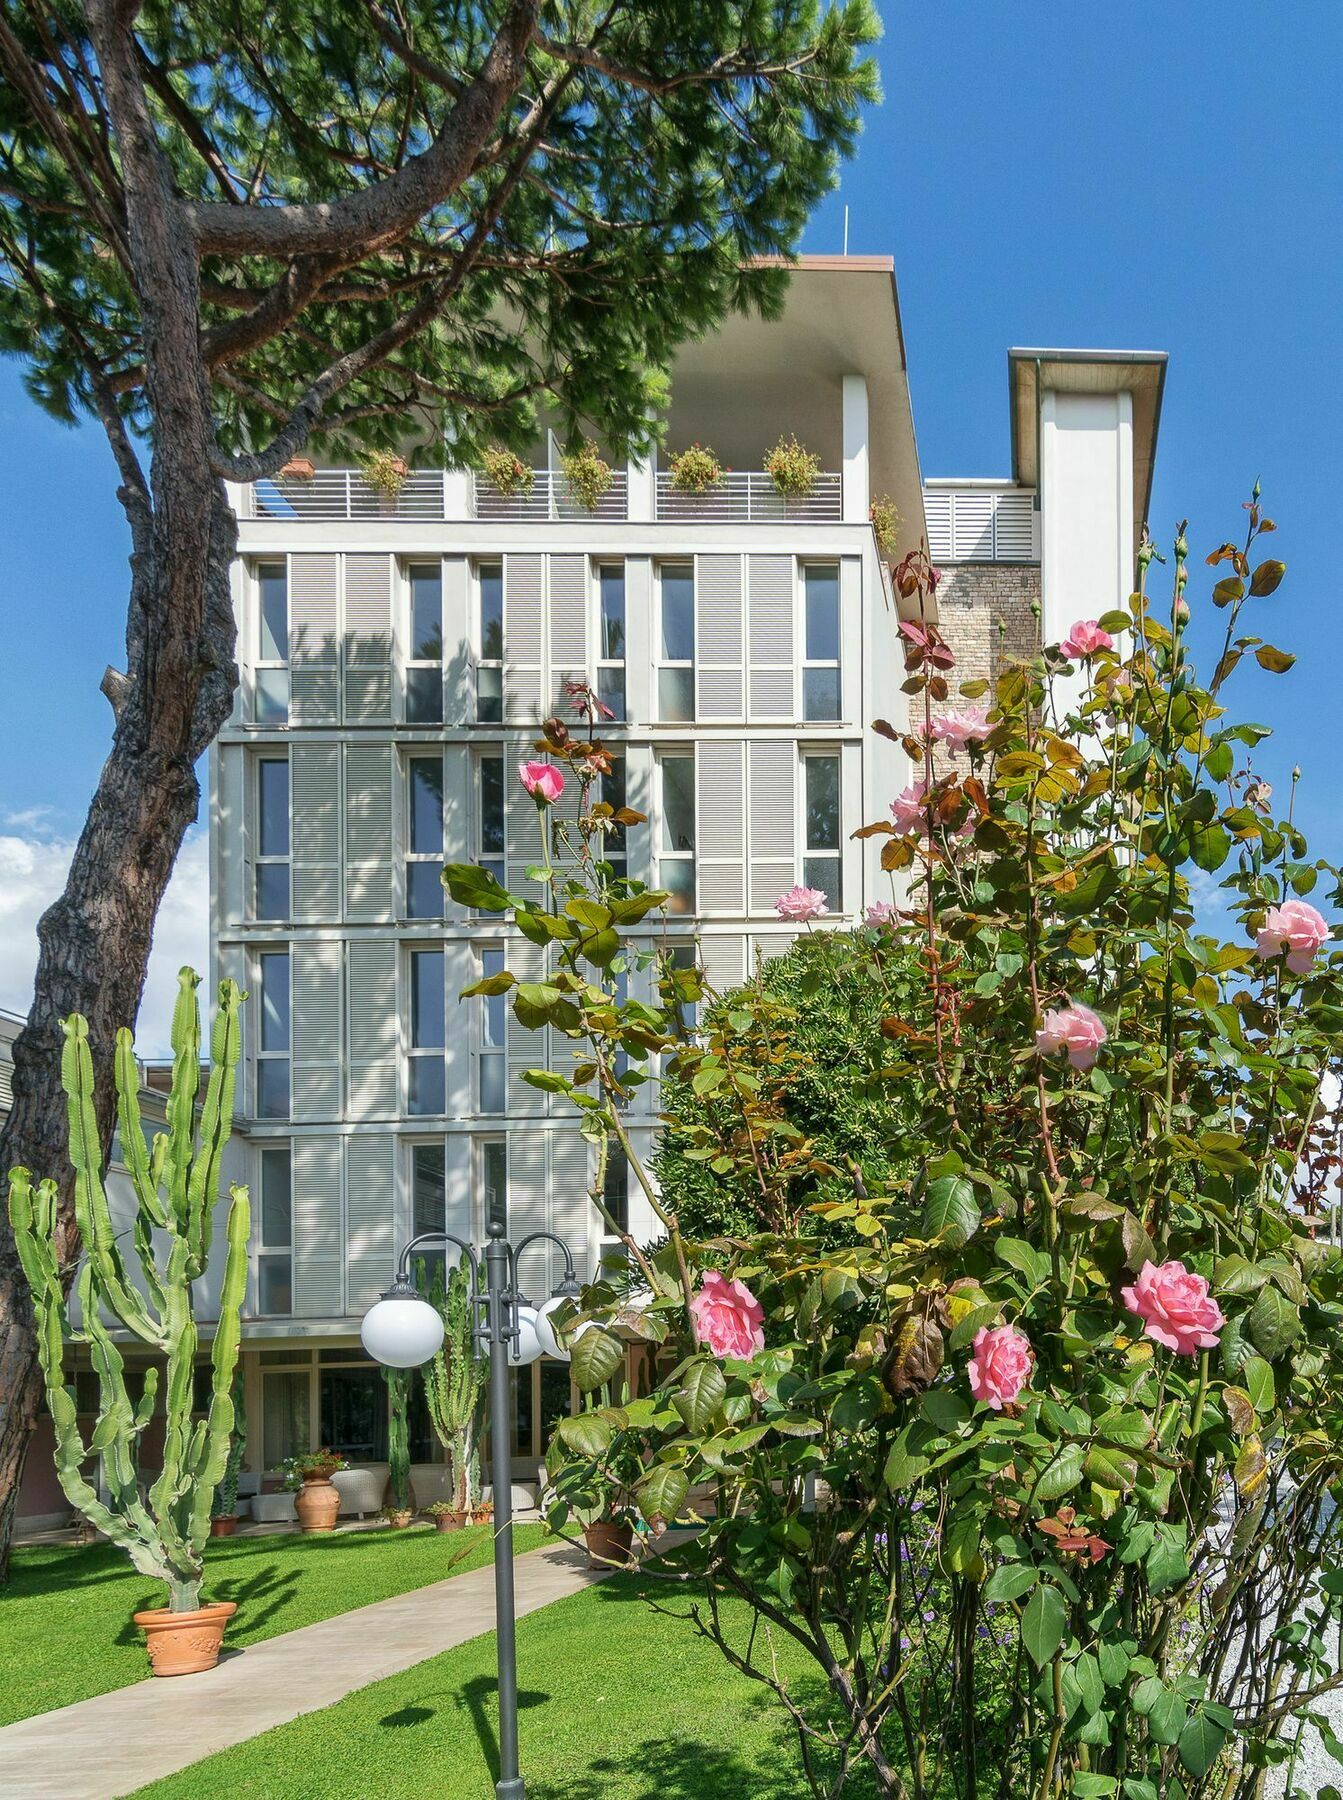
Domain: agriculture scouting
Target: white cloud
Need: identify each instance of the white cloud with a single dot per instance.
(32, 873)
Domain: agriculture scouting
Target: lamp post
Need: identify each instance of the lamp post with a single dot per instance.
(403, 1330)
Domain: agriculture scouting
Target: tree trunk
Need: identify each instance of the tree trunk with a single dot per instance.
(94, 941)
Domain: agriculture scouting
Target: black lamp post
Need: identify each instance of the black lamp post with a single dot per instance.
(403, 1330)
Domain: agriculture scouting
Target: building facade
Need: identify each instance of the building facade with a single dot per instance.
(397, 657)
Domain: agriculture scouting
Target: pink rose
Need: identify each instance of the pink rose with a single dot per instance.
(1175, 1307)
(909, 809)
(543, 781)
(1001, 1360)
(1295, 927)
(881, 912)
(962, 725)
(728, 1317)
(800, 904)
(1084, 640)
(1074, 1028)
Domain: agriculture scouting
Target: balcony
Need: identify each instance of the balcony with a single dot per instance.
(438, 494)
(979, 521)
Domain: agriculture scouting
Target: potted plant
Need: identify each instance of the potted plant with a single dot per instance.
(586, 475)
(317, 1500)
(506, 473)
(224, 1507)
(696, 470)
(386, 473)
(885, 525)
(792, 468)
(400, 1508)
(482, 1513)
(162, 1527)
(592, 1479)
(298, 468)
(454, 1383)
(446, 1516)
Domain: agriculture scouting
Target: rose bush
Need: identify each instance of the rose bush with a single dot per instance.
(1039, 1457)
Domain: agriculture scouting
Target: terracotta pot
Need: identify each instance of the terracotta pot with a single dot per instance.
(449, 1521)
(224, 1526)
(317, 1503)
(298, 468)
(184, 1643)
(399, 1517)
(608, 1541)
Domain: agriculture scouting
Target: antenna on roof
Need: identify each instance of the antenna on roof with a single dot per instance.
(846, 231)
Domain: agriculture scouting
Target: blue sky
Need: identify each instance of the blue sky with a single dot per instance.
(1080, 175)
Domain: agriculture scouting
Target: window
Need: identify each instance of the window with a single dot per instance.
(490, 643)
(820, 828)
(285, 1413)
(274, 1263)
(492, 1075)
(676, 840)
(490, 814)
(272, 1062)
(271, 704)
(427, 1084)
(424, 837)
(272, 837)
(676, 672)
(686, 956)
(612, 791)
(616, 1187)
(611, 656)
(429, 1204)
(820, 667)
(424, 661)
(492, 1172)
(352, 1411)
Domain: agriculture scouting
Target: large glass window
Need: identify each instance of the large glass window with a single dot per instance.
(490, 643)
(427, 1085)
(821, 863)
(272, 1062)
(286, 1428)
(424, 837)
(820, 667)
(676, 830)
(274, 1264)
(271, 703)
(429, 1203)
(490, 814)
(272, 857)
(611, 660)
(492, 1173)
(424, 662)
(492, 1073)
(676, 671)
(352, 1409)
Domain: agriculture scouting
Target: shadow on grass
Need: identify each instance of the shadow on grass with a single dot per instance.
(678, 1771)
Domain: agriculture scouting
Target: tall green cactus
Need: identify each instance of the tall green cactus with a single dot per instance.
(398, 1438)
(176, 1183)
(225, 1504)
(455, 1386)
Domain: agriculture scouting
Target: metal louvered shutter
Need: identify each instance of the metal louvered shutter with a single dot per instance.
(314, 671)
(568, 628)
(1014, 528)
(314, 810)
(316, 986)
(724, 960)
(319, 1235)
(720, 827)
(525, 1049)
(370, 882)
(718, 639)
(773, 770)
(370, 1217)
(368, 639)
(371, 1028)
(770, 636)
(572, 1214)
(230, 848)
(522, 638)
(937, 513)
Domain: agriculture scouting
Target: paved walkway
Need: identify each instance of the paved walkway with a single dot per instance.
(106, 1747)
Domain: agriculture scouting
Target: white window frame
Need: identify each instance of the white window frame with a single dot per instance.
(427, 1053)
(478, 633)
(265, 664)
(669, 753)
(491, 1033)
(261, 859)
(601, 661)
(481, 1147)
(275, 1054)
(412, 661)
(660, 661)
(267, 1252)
(805, 852)
(805, 662)
(413, 857)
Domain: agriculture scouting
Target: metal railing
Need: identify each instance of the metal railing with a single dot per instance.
(745, 498)
(346, 494)
(979, 523)
(549, 499)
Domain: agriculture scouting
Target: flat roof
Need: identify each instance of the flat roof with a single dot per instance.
(1139, 372)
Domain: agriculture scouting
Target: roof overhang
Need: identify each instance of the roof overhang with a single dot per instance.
(1141, 373)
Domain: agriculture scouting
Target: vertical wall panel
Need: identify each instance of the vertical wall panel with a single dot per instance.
(721, 826)
(773, 767)
(572, 1214)
(368, 638)
(314, 815)
(522, 638)
(232, 839)
(314, 678)
(370, 1217)
(770, 636)
(371, 1013)
(568, 627)
(370, 803)
(316, 1036)
(718, 637)
(319, 1238)
(527, 1209)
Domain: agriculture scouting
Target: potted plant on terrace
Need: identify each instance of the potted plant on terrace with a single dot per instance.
(224, 1507)
(506, 473)
(161, 1527)
(317, 1499)
(885, 525)
(696, 471)
(586, 475)
(386, 473)
(792, 468)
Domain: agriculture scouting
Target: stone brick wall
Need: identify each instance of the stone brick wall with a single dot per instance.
(984, 613)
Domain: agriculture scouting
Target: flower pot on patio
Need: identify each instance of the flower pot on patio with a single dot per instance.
(449, 1521)
(184, 1643)
(398, 1517)
(317, 1503)
(224, 1526)
(608, 1541)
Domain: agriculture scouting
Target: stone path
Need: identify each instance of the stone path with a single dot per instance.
(115, 1743)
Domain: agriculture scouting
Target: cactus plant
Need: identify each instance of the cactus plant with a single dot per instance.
(455, 1387)
(225, 1505)
(176, 1182)
(398, 1439)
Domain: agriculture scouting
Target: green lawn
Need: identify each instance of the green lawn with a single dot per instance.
(618, 1703)
(65, 1618)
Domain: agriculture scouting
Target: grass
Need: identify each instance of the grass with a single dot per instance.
(65, 1618)
(617, 1703)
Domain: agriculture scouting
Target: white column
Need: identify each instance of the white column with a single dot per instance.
(641, 489)
(857, 493)
(458, 494)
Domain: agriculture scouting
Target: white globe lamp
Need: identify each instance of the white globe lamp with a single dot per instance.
(551, 1344)
(526, 1346)
(402, 1330)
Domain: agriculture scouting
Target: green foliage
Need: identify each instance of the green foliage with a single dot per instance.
(586, 476)
(176, 1182)
(225, 1503)
(696, 470)
(1124, 1574)
(792, 468)
(885, 519)
(506, 472)
(398, 1437)
(454, 1385)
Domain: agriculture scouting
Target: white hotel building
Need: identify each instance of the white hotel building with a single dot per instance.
(397, 657)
